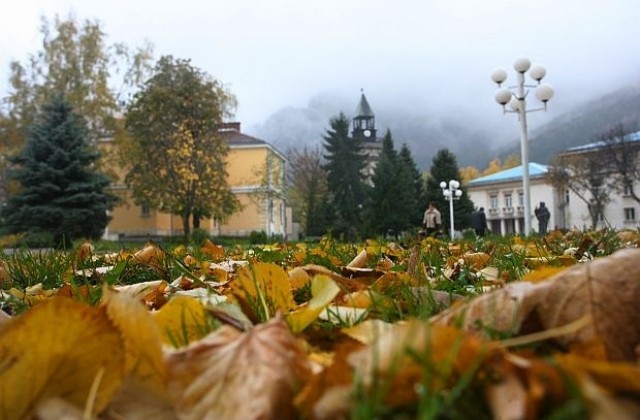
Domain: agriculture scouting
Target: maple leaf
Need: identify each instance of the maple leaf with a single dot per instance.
(229, 374)
(60, 348)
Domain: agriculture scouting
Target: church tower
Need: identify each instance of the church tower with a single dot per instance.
(364, 122)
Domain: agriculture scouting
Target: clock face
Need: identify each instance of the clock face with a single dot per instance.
(367, 133)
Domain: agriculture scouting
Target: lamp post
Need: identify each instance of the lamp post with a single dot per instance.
(516, 96)
(451, 192)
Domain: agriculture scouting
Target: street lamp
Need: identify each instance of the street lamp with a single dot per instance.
(451, 192)
(516, 96)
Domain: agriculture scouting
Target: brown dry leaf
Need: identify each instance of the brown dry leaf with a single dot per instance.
(228, 374)
(142, 339)
(150, 254)
(369, 331)
(298, 278)
(615, 376)
(604, 406)
(57, 409)
(360, 261)
(60, 348)
(606, 289)
(139, 290)
(265, 285)
(542, 273)
(478, 260)
(4, 317)
(394, 280)
(134, 401)
(213, 251)
(346, 284)
(5, 277)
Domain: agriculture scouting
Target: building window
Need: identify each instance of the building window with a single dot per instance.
(493, 201)
(629, 214)
(145, 211)
(520, 198)
(566, 196)
(628, 190)
(508, 201)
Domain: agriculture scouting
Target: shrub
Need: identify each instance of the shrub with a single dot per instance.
(198, 236)
(258, 237)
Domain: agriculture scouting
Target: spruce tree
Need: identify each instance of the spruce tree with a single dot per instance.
(61, 193)
(444, 169)
(417, 201)
(345, 163)
(392, 196)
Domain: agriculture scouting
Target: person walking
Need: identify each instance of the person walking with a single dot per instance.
(432, 220)
(542, 214)
(479, 221)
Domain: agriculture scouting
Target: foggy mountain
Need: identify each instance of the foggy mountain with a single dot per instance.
(473, 142)
(298, 127)
(583, 124)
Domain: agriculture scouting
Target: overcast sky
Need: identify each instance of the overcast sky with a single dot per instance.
(431, 55)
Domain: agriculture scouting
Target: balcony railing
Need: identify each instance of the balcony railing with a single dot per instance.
(507, 210)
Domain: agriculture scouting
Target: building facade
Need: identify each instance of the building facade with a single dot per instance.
(502, 197)
(256, 175)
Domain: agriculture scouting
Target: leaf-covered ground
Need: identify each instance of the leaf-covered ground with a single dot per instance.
(489, 328)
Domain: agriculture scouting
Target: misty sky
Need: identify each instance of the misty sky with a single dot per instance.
(425, 57)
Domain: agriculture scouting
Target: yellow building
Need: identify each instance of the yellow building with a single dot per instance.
(256, 175)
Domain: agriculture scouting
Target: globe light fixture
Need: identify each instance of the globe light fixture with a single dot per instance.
(516, 96)
(451, 192)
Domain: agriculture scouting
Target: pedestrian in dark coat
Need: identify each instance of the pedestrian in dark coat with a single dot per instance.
(479, 221)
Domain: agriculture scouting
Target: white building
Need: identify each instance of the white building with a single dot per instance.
(502, 197)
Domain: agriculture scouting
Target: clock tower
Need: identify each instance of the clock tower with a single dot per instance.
(364, 123)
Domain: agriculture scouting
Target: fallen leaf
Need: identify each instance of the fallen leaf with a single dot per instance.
(360, 261)
(323, 291)
(228, 374)
(181, 321)
(60, 348)
(606, 289)
(263, 287)
(142, 339)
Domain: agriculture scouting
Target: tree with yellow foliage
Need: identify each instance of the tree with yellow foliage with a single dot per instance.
(494, 166)
(175, 154)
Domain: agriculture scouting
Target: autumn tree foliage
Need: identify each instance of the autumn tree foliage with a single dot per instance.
(175, 155)
(76, 61)
(444, 169)
(345, 178)
(61, 194)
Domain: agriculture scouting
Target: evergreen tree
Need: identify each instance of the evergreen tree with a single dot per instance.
(418, 199)
(345, 179)
(60, 194)
(392, 198)
(444, 169)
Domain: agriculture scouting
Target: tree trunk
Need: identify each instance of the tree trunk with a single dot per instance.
(185, 226)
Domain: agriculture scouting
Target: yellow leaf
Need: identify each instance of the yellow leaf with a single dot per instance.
(323, 291)
(60, 348)
(542, 273)
(181, 321)
(142, 339)
(265, 285)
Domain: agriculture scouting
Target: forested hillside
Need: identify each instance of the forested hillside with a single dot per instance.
(583, 124)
